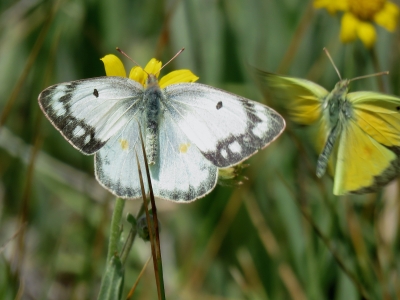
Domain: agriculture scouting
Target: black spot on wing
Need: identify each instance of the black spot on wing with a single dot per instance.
(398, 108)
(219, 105)
(248, 141)
(96, 93)
(76, 131)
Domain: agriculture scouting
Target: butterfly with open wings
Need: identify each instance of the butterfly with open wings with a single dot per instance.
(190, 129)
(358, 136)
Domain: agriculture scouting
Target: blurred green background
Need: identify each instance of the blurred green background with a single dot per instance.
(279, 235)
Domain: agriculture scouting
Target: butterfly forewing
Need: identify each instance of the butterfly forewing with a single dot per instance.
(225, 127)
(88, 112)
(378, 115)
(301, 98)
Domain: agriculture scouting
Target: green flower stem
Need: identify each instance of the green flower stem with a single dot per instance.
(130, 239)
(115, 230)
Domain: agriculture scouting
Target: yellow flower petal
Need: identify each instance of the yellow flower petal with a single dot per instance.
(177, 76)
(387, 17)
(137, 74)
(367, 34)
(330, 5)
(153, 67)
(348, 30)
(113, 66)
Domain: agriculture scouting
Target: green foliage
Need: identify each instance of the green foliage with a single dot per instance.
(113, 280)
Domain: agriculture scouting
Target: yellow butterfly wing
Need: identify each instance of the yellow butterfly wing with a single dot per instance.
(364, 162)
(302, 99)
(378, 115)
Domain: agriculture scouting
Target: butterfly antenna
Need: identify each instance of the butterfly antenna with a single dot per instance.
(330, 58)
(123, 53)
(371, 75)
(179, 52)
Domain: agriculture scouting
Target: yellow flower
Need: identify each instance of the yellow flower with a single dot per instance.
(360, 16)
(332, 6)
(357, 22)
(114, 67)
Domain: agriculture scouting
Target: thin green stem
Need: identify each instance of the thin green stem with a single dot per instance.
(131, 238)
(115, 230)
(161, 277)
(297, 38)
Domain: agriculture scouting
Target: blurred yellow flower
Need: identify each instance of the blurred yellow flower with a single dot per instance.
(359, 18)
(114, 67)
(332, 6)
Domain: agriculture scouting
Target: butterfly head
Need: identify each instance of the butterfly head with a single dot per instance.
(342, 87)
(151, 80)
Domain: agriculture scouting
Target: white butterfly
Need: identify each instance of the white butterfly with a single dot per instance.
(190, 130)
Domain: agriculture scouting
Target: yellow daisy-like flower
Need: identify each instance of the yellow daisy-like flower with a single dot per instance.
(358, 21)
(114, 67)
(360, 16)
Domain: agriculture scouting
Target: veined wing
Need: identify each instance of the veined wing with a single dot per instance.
(88, 112)
(300, 97)
(362, 163)
(378, 115)
(225, 127)
(181, 173)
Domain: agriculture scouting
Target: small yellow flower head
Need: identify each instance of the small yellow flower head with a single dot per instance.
(358, 21)
(359, 16)
(114, 67)
(365, 10)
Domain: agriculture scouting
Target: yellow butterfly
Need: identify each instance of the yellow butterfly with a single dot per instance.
(358, 133)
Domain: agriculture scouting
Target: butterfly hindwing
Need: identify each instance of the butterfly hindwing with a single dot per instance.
(362, 164)
(226, 128)
(180, 174)
(88, 112)
(365, 160)
(115, 163)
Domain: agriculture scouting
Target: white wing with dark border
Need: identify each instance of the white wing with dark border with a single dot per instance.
(225, 127)
(88, 112)
(181, 173)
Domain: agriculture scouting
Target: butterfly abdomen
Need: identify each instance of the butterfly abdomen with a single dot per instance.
(152, 111)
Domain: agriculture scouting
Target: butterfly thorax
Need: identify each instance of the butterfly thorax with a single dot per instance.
(152, 111)
(336, 102)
